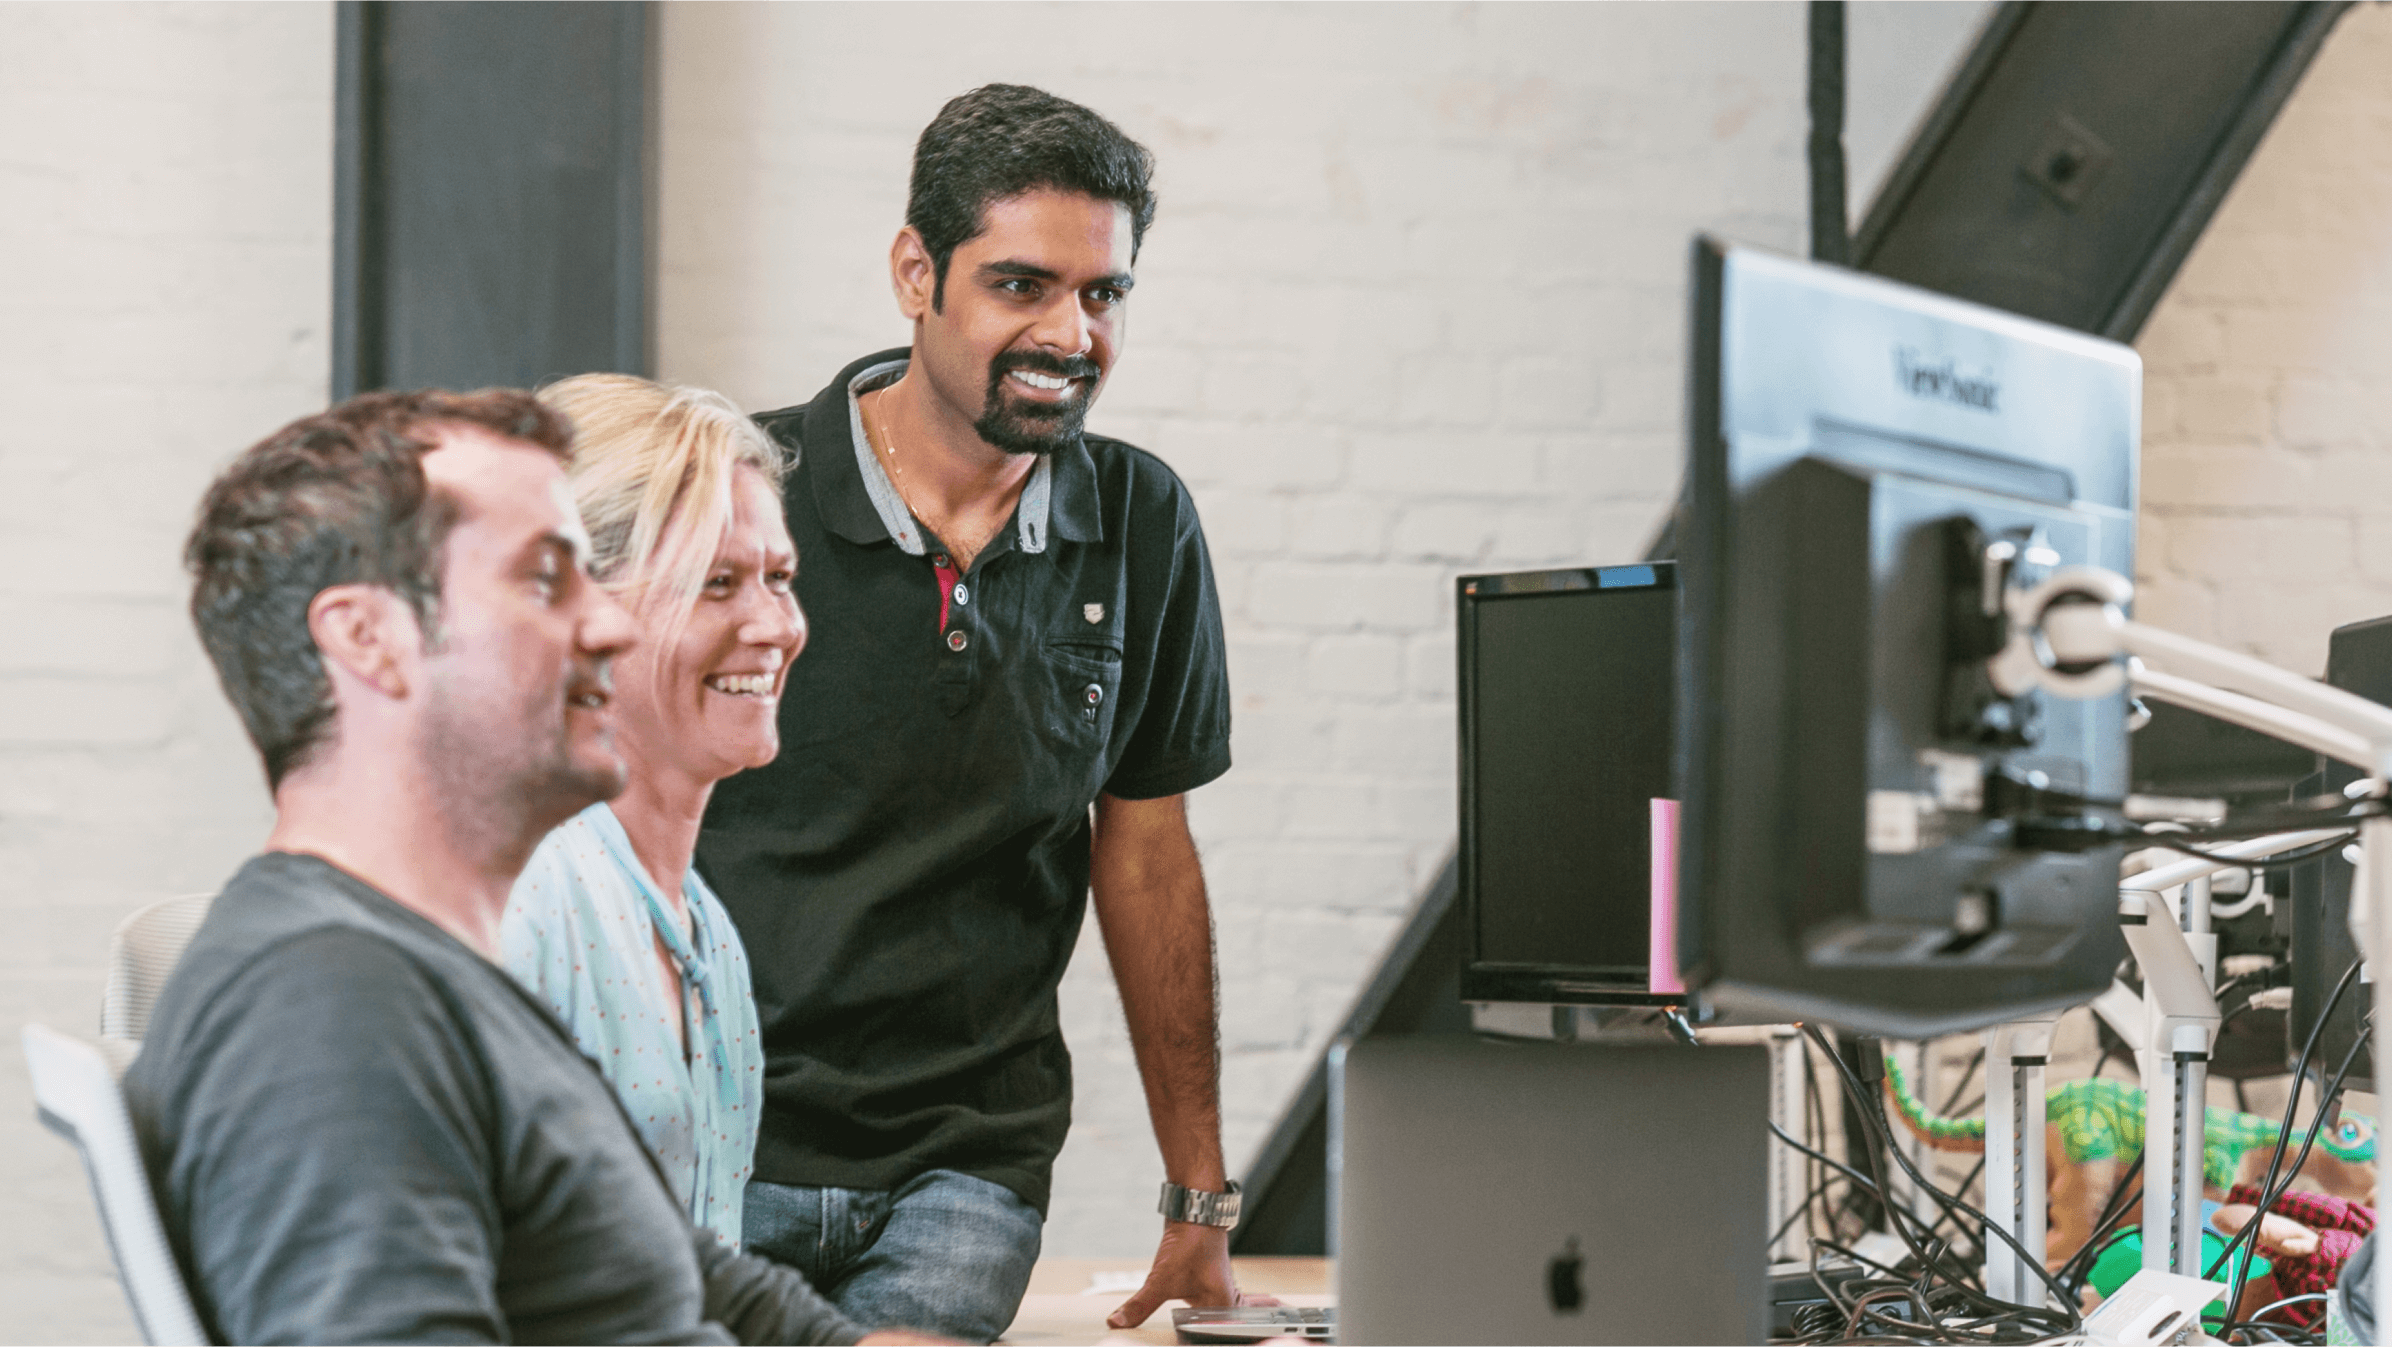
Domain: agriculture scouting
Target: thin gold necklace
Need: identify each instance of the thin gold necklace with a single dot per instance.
(897, 472)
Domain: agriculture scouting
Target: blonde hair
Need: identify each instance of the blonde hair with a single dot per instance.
(651, 473)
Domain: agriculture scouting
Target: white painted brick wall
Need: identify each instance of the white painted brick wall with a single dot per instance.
(1413, 307)
(165, 263)
(2267, 462)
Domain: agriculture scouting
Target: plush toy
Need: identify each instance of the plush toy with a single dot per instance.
(2307, 1237)
(2094, 1129)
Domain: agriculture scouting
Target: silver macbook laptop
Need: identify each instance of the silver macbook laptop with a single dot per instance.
(1492, 1191)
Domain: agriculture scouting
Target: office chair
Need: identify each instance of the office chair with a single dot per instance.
(142, 954)
(76, 1096)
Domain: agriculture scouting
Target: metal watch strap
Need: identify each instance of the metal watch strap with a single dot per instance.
(1198, 1207)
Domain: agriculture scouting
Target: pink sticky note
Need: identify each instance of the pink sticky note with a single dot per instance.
(1663, 951)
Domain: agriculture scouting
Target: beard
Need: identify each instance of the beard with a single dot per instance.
(506, 775)
(1019, 426)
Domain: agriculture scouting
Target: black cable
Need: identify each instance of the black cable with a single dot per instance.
(1815, 1113)
(1877, 1141)
(1820, 1156)
(2274, 1330)
(2109, 1241)
(1858, 1257)
(2281, 860)
(1835, 1298)
(2269, 1194)
(1999, 1309)
(1897, 1211)
(2288, 1300)
(1851, 1174)
(1966, 1075)
(1962, 1189)
(1857, 1134)
(2331, 810)
(2079, 1266)
(2087, 817)
(1956, 1298)
(1950, 1105)
(1797, 1214)
(2300, 1077)
(1873, 1116)
(2267, 823)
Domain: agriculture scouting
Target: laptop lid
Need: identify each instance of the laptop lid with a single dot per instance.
(1492, 1191)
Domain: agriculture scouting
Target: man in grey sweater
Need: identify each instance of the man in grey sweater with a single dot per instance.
(360, 1129)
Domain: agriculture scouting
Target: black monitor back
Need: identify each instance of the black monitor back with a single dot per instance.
(1839, 856)
(1567, 726)
(2359, 660)
(2187, 755)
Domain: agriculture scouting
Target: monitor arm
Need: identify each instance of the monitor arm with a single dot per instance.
(2172, 1028)
(2183, 1026)
(2069, 635)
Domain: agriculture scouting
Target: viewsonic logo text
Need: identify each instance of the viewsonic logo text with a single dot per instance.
(1923, 376)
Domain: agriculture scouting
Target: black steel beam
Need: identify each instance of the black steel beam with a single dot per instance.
(492, 182)
(2069, 167)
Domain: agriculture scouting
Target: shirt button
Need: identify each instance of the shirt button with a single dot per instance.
(956, 641)
(939, 561)
(962, 595)
(1095, 694)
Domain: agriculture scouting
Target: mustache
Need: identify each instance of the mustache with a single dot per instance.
(598, 676)
(1039, 362)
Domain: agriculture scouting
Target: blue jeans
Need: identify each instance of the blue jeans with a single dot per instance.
(946, 1253)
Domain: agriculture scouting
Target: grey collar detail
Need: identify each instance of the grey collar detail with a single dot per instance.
(1030, 516)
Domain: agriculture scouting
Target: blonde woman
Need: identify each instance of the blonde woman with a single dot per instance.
(609, 924)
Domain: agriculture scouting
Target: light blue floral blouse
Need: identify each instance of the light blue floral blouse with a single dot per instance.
(580, 932)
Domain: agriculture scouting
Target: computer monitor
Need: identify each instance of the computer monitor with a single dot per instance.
(1566, 690)
(2183, 754)
(1871, 468)
(2359, 659)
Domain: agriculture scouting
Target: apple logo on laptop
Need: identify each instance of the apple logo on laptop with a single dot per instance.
(1562, 1281)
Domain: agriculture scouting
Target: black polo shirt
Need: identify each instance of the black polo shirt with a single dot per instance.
(911, 873)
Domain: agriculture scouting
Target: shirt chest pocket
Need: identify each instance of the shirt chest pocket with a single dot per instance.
(1086, 685)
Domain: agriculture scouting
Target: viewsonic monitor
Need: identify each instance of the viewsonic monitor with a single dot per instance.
(1566, 695)
(1851, 847)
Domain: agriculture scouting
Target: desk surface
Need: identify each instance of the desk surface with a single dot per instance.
(1057, 1313)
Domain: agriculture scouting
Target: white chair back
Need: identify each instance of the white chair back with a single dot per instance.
(141, 956)
(75, 1094)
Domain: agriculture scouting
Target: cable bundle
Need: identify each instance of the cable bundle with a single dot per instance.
(1941, 1301)
(1935, 1296)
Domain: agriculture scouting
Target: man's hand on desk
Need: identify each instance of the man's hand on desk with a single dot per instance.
(1192, 1264)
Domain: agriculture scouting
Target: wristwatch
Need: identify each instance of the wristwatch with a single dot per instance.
(1198, 1207)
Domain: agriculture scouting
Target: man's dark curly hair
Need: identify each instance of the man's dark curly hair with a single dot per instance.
(1001, 140)
(338, 498)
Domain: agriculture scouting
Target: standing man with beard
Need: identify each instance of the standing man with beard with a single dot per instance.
(1017, 673)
